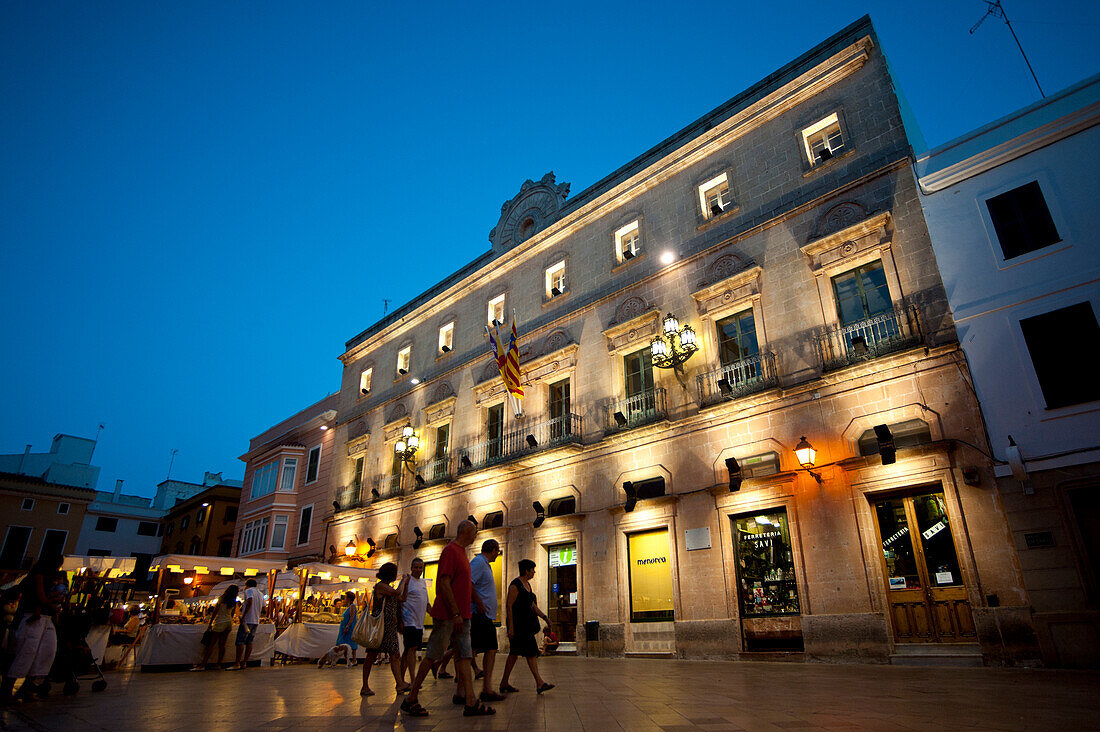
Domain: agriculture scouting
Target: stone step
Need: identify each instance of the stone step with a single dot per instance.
(650, 654)
(937, 654)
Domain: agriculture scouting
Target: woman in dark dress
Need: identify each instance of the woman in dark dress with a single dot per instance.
(523, 625)
(388, 600)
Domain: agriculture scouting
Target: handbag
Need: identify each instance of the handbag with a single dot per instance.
(369, 628)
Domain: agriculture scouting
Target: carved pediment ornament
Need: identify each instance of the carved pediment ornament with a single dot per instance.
(536, 205)
(357, 429)
(636, 332)
(441, 410)
(550, 365)
(358, 444)
(867, 235)
(839, 217)
(629, 309)
(399, 412)
(731, 290)
(441, 392)
(556, 341)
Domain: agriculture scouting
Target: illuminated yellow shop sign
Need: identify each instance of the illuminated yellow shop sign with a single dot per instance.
(650, 576)
(430, 572)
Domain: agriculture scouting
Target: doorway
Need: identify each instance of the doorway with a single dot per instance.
(562, 595)
(926, 596)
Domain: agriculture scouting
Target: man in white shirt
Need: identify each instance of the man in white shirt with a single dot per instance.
(413, 611)
(250, 619)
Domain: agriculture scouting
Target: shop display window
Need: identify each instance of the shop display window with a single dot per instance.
(765, 565)
(649, 559)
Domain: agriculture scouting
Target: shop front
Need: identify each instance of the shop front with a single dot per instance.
(562, 594)
(767, 588)
(651, 592)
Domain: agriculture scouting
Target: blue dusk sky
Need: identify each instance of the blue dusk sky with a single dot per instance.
(201, 202)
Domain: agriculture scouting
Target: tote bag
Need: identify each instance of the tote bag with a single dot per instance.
(369, 628)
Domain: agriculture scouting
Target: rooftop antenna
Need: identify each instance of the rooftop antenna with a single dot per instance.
(993, 7)
(95, 444)
(385, 307)
(174, 451)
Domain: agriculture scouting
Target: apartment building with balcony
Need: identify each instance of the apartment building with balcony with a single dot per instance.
(1012, 212)
(747, 424)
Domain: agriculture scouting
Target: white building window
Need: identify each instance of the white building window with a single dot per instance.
(278, 531)
(290, 472)
(364, 381)
(496, 310)
(714, 196)
(404, 358)
(823, 140)
(447, 338)
(555, 280)
(254, 535)
(263, 480)
(628, 242)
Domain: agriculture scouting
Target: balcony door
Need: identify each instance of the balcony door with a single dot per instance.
(925, 592)
(738, 347)
(559, 409)
(641, 403)
(864, 308)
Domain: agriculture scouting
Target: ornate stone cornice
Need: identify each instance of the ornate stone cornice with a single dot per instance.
(544, 367)
(868, 234)
(440, 411)
(732, 289)
(640, 328)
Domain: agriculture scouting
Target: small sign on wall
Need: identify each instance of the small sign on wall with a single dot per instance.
(697, 538)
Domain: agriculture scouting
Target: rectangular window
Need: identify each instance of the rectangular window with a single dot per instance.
(861, 293)
(823, 140)
(639, 372)
(1022, 220)
(628, 242)
(254, 535)
(313, 464)
(737, 338)
(404, 359)
(559, 409)
(364, 381)
(147, 528)
(714, 196)
(494, 429)
(357, 474)
(290, 471)
(15, 547)
(201, 515)
(230, 515)
(278, 531)
(442, 438)
(555, 280)
(263, 480)
(305, 519)
(765, 561)
(63, 509)
(104, 523)
(496, 310)
(1050, 338)
(28, 504)
(650, 569)
(53, 544)
(447, 338)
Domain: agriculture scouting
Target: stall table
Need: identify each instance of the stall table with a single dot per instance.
(178, 644)
(307, 640)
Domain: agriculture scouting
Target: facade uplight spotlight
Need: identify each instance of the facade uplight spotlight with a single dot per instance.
(667, 257)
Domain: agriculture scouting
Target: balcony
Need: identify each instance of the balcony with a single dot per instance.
(521, 442)
(434, 472)
(387, 486)
(636, 411)
(888, 332)
(738, 379)
(350, 497)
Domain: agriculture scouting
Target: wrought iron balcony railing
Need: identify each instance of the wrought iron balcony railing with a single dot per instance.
(434, 472)
(520, 442)
(387, 486)
(738, 379)
(887, 332)
(636, 411)
(350, 497)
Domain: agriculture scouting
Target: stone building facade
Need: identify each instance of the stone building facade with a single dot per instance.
(668, 504)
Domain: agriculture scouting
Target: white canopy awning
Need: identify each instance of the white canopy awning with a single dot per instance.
(215, 565)
(113, 566)
(337, 572)
(283, 581)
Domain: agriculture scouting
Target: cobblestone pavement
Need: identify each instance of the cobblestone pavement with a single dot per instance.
(592, 694)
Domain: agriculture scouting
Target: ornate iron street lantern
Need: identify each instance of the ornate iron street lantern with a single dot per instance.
(675, 347)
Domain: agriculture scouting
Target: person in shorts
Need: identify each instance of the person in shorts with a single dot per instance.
(451, 625)
(250, 620)
(483, 634)
(412, 617)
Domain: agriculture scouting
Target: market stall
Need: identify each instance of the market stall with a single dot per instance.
(318, 616)
(174, 638)
(96, 587)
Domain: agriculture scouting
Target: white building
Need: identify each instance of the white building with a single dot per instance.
(1012, 211)
(117, 525)
(67, 463)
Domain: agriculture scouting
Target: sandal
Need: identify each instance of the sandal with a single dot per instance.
(445, 675)
(544, 687)
(478, 710)
(456, 700)
(508, 689)
(489, 696)
(404, 689)
(414, 709)
(365, 692)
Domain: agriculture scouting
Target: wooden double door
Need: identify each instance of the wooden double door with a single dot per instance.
(926, 596)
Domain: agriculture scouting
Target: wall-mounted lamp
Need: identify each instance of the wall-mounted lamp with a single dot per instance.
(667, 257)
(806, 454)
(373, 547)
(472, 519)
(540, 514)
(420, 482)
(349, 549)
(466, 461)
(406, 446)
(631, 496)
(188, 580)
(531, 441)
(675, 347)
(885, 444)
(336, 506)
(419, 537)
(735, 474)
(620, 419)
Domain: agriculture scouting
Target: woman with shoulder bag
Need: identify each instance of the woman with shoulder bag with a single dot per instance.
(221, 620)
(378, 626)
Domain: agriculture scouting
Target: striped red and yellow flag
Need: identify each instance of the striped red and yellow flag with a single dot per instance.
(510, 369)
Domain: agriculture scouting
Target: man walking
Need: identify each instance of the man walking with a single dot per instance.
(451, 627)
(483, 634)
(412, 617)
(250, 620)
